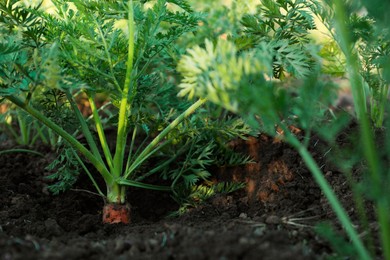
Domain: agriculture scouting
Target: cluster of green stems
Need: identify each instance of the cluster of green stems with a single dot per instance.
(364, 251)
(116, 174)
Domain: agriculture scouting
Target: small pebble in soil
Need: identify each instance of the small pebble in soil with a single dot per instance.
(328, 174)
(154, 244)
(274, 220)
(243, 215)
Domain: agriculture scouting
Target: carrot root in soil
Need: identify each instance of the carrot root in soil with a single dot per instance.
(116, 213)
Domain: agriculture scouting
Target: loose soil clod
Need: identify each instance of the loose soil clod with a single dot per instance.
(116, 213)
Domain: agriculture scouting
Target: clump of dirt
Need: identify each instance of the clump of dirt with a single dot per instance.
(272, 218)
(277, 173)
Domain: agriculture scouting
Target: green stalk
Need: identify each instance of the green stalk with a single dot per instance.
(100, 130)
(23, 130)
(139, 160)
(366, 133)
(143, 185)
(182, 169)
(84, 127)
(359, 204)
(40, 134)
(115, 193)
(21, 151)
(52, 137)
(131, 147)
(382, 105)
(88, 173)
(329, 194)
(346, 47)
(162, 165)
(148, 149)
(123, 110)
(71, 140)
(140, 148)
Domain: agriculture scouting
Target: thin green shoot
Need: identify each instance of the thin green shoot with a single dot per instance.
(20, 150)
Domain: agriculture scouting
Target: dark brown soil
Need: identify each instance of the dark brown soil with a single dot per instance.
(273, 218)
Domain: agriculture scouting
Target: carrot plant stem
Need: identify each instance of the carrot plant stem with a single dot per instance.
(330, 195)
(150, 148)
(24, 131)
(129, 156)
(116, 193)
(88, 173)
(38, 133)
(21, 151)
(143, 185)
(162, 165)
(124, 109)
(100, 130)
(99, 165)
(84, 127)
(367, 137)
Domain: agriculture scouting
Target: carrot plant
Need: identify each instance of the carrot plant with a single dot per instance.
(25, 135)
(94, 47)
(368, 35)
(269, 72)
(378, 175)
(263, 102)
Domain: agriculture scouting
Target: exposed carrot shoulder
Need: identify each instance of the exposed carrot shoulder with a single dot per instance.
(116, 213)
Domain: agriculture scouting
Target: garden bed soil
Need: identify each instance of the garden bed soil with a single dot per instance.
(272, 218)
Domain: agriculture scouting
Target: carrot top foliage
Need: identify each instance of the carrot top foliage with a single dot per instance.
(125, 51)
